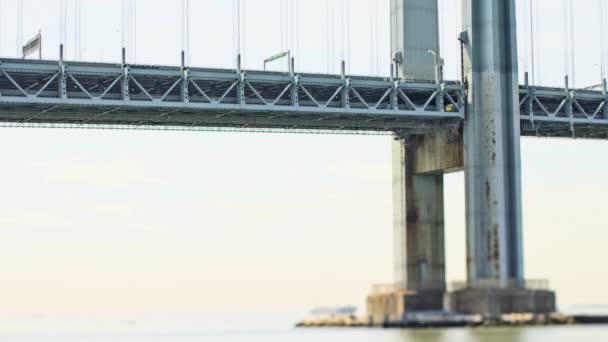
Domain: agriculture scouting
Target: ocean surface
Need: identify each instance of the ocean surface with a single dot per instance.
(264, 328)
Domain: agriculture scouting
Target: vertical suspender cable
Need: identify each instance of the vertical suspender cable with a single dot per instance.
(244, 27)
(533, 42)
(572, 54)
(129, 32)
(131, 42)
(441, 18)
(19, 28)
(531, 34)
(327, 30)
(526, 35)
(292, 27)
(377, 38)
(188, 32)
(566, 37)
(603, 38)
(186, 29)
(1, 12)
(238, 27)
(332, 11)
(123, 24)
(134, 30)
(371, 36)
(282, 23)
(75, 17)
(458, 9)
(183, 25)
(77, 53)
(234, 49)
(342, 29)
(80, 30)
(298, 47)
(65, 23)
(285, 31)
(348, 36)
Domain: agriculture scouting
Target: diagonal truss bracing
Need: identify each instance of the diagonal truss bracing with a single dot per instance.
(49, 92)
(54, 93)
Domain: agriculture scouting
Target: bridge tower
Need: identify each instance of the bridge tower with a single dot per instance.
(495, 263)
(486, 148)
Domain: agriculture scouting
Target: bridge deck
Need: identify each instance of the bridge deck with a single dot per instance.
(82, 94)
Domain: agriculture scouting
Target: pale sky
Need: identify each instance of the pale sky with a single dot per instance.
(142, 221)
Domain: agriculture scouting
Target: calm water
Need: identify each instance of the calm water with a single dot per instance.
(265, 328)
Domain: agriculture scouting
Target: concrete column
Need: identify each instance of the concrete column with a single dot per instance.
(414, 31)
(419, 163)
(492, 150)
(418, 224)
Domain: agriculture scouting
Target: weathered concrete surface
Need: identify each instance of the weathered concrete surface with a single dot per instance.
(418, 212)
(414, 31)
(384, 307)
(494, 302)
(439, 152)
(419, 163)
(492, 136)
(391, 306)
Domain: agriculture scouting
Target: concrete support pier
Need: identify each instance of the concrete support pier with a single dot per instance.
(487, 148)
(419, 163)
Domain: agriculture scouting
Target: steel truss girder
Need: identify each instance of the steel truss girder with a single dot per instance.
(107, 94)
(563, 112)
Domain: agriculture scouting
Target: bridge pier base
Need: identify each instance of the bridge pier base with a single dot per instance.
(491, 302)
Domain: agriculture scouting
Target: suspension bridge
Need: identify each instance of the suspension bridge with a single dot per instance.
(473, 123)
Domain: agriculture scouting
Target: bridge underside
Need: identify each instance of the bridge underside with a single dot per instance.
(75, 116)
